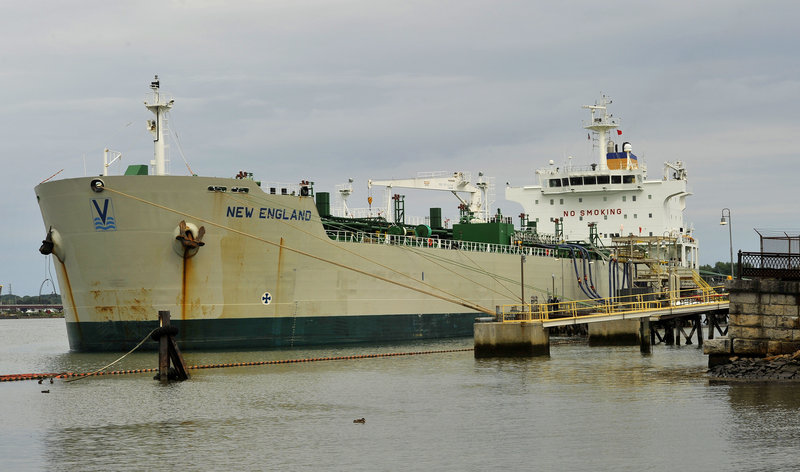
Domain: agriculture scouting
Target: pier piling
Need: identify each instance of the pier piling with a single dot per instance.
(498, 339)
(168, 351)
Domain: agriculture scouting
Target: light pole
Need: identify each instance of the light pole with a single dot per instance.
(726, 220)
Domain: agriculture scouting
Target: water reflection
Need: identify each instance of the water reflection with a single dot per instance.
(604, 408)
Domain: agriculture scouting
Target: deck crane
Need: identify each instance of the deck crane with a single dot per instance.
(455, 182)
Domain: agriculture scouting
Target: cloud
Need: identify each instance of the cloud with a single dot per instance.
(327, 90)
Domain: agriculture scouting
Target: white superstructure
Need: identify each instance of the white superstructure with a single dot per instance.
(613, 193)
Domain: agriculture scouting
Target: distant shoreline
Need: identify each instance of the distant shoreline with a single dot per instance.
(25, 316)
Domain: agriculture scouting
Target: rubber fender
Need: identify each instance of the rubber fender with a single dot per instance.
(53, 244)
(164, 331)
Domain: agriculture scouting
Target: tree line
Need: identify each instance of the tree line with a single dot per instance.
(44, 299)
(720, 269)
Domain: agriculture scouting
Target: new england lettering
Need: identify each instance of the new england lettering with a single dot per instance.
(594, 212)
(268, 213)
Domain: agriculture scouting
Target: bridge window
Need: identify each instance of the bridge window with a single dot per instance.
(576, 180)
(589, 180)
(555, 182)
(565, 181)
(616, 179)
(628, 179)
(603, 179)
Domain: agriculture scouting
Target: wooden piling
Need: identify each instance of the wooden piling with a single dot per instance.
(168, 350)
(710, 318)
(645, 336)
(669, 334)
(698, 322)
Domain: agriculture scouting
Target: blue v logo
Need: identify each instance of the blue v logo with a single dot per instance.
(103, 215)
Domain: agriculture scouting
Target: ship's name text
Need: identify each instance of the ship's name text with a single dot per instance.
(268, 213)
(594, 212)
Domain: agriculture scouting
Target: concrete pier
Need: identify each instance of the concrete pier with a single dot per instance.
(764, 321)
(497, 339)
(615, 333)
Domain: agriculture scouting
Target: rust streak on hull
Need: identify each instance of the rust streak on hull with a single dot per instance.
(184, 285)
(278, 297)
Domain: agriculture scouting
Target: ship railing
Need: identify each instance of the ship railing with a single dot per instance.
(620, 305)
(588, 169)
(436, 242)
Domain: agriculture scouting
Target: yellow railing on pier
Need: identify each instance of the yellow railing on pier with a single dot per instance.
(598, 307)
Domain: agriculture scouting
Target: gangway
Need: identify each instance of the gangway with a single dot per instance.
(655, 306)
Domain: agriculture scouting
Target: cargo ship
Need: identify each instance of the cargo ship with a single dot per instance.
(246, 264)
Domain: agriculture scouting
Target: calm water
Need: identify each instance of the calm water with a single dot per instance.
(581, 409)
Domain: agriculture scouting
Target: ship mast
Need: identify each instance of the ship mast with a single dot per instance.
(601, 123)
(159, 106)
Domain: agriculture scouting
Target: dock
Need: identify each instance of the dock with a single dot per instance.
(522, 329)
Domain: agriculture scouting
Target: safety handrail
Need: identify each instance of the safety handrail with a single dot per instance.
(586, 309)
(436, 242)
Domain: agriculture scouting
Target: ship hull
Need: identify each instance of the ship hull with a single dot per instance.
(266, 333)
(267, 275)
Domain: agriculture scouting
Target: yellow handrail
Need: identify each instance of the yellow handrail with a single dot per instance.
(586, 309)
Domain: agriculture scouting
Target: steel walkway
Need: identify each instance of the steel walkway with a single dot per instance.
(656, 306)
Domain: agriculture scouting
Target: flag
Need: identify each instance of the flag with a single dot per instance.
(619, 132)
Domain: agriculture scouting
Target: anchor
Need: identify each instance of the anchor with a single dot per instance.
(188, 239)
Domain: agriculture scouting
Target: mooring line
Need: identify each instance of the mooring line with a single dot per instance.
(79, 375)
(123, 357)
(458, 300)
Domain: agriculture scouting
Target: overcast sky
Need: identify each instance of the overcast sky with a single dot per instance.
(331, 90)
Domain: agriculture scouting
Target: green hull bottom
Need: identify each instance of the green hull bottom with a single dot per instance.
(266, 333)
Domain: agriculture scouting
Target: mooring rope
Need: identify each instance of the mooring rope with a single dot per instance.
(123, 357)
(464, 303)
(328, 241)
(72, 376)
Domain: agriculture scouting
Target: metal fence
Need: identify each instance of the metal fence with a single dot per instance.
(773, 265)
(434, 242)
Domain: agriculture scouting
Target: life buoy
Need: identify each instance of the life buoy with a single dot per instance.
(430, 242)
